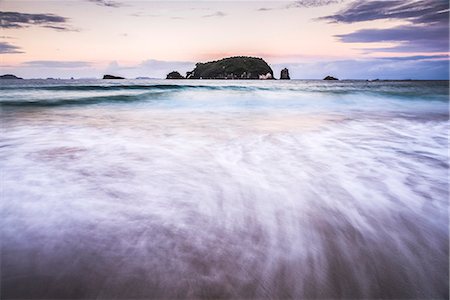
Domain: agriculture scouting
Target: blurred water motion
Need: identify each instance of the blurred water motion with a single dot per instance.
(211, 190)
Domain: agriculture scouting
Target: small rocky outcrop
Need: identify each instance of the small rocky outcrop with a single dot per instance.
(112, 77)
(174, 75)
(284, 75)
(9, 76)
(330, 78)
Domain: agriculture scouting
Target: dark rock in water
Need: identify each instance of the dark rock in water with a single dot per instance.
(112, 77)
(174, 75)
(238, 67)
(285, 74)
(330, 78)
(9, 76)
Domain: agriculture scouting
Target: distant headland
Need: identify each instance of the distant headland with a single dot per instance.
(112, 77)
(9, 76)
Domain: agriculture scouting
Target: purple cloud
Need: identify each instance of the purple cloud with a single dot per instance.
(14, 20)
(302, 4)
(7, 48)
(427, 31)
(412, 67)
(57, 64)
(411, 38)
(416, 57)
(216, 14)
(418, 12)
(106, 3)
(312, 3)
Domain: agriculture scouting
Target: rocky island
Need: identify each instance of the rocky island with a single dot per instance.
(9, 76)
(330, 78)
(174, 75)
(284, 75)
(237, 67)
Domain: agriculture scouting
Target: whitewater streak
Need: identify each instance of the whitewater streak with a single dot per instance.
(206, 189)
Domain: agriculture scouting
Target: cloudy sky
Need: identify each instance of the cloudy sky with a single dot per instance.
(360, 39)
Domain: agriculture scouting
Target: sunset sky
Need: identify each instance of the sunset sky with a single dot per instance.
(313, 38)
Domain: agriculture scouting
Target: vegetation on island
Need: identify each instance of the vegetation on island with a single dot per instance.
(238, 67)
(174, 75)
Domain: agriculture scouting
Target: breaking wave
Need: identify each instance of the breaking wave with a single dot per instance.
(259, 192)
(70, 93)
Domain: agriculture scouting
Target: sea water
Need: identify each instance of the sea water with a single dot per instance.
(224, 189)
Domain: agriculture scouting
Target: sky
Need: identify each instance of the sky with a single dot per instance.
(348, 39)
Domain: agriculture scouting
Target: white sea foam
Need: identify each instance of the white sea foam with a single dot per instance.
(226, 200)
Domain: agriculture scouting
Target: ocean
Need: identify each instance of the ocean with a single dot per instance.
(224, 189)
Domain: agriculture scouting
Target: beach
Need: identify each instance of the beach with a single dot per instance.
(224, 189)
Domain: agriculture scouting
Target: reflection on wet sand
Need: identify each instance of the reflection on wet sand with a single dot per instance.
(300, 189)
(152, 205)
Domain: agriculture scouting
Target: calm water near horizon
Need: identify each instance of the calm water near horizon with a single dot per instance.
(224, 189)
